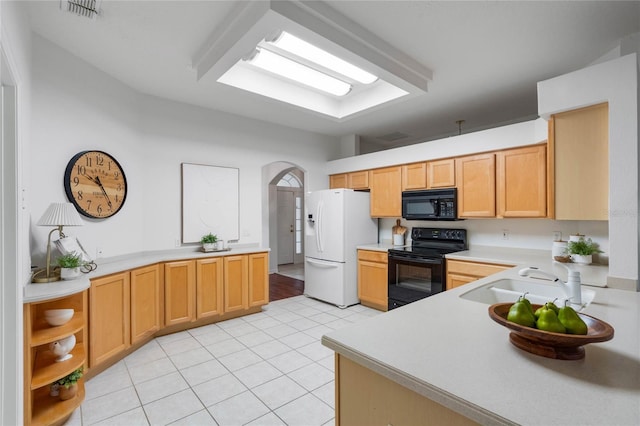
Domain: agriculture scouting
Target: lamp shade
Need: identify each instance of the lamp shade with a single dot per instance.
(57, 214)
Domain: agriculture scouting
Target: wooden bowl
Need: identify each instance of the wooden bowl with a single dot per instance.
(547, 343)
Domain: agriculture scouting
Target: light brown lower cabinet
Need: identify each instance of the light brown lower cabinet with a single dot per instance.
(373, 279)
(146, 302)
(363, 397)
(258, 279)
(179, 292)
(461, 272)
(109, 317)
(209, 287)
(236, 283)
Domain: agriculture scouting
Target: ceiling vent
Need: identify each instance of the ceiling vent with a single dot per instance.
(87, 8)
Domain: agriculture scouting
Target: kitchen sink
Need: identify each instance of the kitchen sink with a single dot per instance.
(538, 292)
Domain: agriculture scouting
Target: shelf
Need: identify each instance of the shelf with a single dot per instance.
(50, 409)
(46, 370)
(44, 333)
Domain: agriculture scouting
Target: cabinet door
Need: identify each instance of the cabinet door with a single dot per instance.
(456, 280)
(209, 287)
(373, 279)
(109, 328)
(146, 306)
(441, 173)
(338, 181)
(386, 192)
(179, 292)
(579, 151)
(236, 283)
(414, 176)
(476, 179)
(258, 279)
(521, 175)
(358, 180)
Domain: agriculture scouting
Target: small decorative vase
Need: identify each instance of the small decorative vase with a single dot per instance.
(69, 273)
(583, 259)
(209, 246)
(68, 393)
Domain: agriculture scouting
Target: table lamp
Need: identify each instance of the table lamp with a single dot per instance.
(58, 215)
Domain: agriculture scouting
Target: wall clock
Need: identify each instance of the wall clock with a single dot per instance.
(95, 183)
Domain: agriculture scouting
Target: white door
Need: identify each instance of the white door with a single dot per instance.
(286, 228)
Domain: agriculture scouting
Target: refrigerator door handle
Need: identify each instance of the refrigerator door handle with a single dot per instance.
(323, 264)
(319, 236)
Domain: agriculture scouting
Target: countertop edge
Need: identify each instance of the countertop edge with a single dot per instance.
(435, 394)
(47, 291)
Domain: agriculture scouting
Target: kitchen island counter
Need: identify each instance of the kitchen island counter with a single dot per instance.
(448, 350)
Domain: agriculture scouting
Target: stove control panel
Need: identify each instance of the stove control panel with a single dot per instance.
(430, 234)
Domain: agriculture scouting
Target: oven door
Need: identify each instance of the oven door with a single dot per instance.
(412, 277)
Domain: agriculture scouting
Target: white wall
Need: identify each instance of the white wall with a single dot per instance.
(78, 107)
(616, 82)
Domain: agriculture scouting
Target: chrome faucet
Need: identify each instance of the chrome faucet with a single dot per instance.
(571, 288)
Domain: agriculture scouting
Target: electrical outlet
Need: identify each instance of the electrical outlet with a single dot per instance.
(557, 236)
(177, 242)
(505, 234)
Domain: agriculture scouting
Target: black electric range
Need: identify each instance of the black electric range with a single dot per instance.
(419, 270)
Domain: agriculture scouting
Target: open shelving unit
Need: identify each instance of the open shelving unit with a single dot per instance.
(40, 366)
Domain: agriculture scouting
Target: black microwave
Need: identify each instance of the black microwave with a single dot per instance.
(430, 204)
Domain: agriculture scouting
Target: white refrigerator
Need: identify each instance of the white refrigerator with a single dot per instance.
(338, 220)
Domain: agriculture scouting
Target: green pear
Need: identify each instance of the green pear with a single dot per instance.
(548, 321)
(521, 314)
(572, 321)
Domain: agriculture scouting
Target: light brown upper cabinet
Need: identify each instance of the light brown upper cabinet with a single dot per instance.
(441, 173)
(476, 181)
(353, 180)
(521, 175)
(579, 164)
(338, 181)
(386, 192)
(414, 176)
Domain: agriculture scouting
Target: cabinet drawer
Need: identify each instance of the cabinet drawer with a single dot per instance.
(373, 256)
(474, 268)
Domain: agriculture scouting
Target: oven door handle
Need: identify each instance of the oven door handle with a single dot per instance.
(416, 260)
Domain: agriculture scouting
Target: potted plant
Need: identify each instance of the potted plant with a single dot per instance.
(209, 242)
(68, 385)
(582, 251)
(70, 264)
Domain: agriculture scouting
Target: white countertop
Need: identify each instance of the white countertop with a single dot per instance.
(47, 291)
(449, 350)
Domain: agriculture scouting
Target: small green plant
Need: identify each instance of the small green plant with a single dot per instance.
(70, 260)
(70, 379)
(583, 247)
(209, 238)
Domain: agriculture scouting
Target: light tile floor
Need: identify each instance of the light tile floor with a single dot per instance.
(267, 368)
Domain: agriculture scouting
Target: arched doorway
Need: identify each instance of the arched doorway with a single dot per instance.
(285, 195)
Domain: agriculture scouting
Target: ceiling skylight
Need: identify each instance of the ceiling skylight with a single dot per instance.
(308, 51)
(285, 67)
(319, 61)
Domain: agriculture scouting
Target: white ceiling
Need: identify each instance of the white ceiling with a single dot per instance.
(486, 57)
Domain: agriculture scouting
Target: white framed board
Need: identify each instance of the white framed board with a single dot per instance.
(209, 202)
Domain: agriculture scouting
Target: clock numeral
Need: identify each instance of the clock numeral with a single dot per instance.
(88, 161)
(99, 161)
(117, 201)
(80, 195)
(82, 170)
(76, 181)
(88, 204)
(99, 209)
(119, 187)
(109, 165)
(116, 175)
